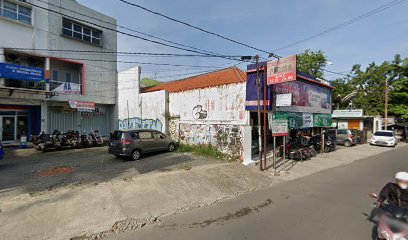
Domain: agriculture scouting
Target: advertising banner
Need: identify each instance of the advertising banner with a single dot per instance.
(82, 106)
(284, 100)
(18, 72)
(348, 113)
(68, 88)
(282, 70)
(295, 120)
(307, 120)
(306, 97)
(322, 120)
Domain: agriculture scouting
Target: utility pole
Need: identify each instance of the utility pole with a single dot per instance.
(386, 105)
(264, 83)
(258, 84)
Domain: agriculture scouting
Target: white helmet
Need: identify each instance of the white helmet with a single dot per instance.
(402, 176)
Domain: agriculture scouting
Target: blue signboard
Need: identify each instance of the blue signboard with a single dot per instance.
(19, 72)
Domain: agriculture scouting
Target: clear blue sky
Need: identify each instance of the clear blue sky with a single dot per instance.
(265, 24)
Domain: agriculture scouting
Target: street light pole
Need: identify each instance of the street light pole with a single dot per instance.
(386, 105)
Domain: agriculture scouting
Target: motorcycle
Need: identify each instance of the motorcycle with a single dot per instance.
(391, 221)
(72, 138)
(86, 140)
(96, 140)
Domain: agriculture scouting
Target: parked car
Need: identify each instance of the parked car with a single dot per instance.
(134, 143)
(346, 137)
(383, 138)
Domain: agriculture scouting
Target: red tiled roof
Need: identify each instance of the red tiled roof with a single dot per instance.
(217, 78)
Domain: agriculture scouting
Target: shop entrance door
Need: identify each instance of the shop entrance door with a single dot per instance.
(8, 128)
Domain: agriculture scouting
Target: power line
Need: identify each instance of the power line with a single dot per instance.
(117, 52)
(334, 28)
(125, 33)
(132, 30)
(197, 28)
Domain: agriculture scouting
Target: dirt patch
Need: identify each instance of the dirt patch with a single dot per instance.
(55, 171)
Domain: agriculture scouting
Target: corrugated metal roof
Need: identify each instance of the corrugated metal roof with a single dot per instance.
(213, 79)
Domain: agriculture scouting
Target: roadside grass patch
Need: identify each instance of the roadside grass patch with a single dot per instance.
(203, 150)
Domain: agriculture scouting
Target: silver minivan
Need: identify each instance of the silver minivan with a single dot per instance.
(134, 143)
(346, 137)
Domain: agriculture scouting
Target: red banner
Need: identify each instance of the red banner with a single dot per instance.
(82, 106)
(282, 70)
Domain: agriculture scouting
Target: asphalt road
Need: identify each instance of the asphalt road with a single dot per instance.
(332, 204)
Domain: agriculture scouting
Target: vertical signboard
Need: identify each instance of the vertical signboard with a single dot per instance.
(282, 70)
(278, 124)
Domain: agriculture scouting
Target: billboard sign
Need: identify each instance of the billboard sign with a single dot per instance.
(68, 88)
(284, 100)
(322, 120)
(282, 70)
(19, 72)
(348, 113)
(306, 97)
(82, 106)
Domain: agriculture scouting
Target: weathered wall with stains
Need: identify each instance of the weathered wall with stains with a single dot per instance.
(224, 104)
(140, 110)
(210, 116)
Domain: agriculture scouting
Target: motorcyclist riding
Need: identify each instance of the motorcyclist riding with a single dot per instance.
(395, 193)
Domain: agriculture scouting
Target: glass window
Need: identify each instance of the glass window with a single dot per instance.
(384, 134)
(55, 75)
(68, 77)
(78, 35)
(77, 28)
(134, 135)
(145, 135)
(66, 24)
(159, 135)
(87, 31)
(96, 41)
(67, 32)
(96, 34)
(10, 10)
(24, 10)
(81, 32)
(116, 135)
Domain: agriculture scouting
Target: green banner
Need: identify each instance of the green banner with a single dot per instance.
(280, 116)
(322, 120)
(295, 120)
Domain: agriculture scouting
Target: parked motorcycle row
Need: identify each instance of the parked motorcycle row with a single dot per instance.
(301, 150)
(73, 139)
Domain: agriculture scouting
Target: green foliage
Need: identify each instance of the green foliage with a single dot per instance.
(202, 149)
(312, 62)
(147, 82)
(370, 84)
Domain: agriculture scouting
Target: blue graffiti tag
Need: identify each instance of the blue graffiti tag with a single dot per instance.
(138, 123)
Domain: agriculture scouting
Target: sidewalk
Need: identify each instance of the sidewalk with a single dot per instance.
(133, 202)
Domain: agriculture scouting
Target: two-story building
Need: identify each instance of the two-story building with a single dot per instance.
(58, 68)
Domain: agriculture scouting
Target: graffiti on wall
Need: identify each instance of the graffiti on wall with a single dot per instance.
(199, 112)
(138, 123)
(226, 138)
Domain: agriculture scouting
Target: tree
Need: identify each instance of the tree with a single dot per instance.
(370, 84)
(312, 63)
(342, 88)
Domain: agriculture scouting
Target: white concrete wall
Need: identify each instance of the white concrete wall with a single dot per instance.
(224, 104)
(128, 93)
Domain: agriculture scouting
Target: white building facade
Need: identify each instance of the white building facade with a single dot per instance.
(58, 68)
(205, 109)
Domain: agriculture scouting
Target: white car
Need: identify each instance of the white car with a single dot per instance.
(383, 138)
